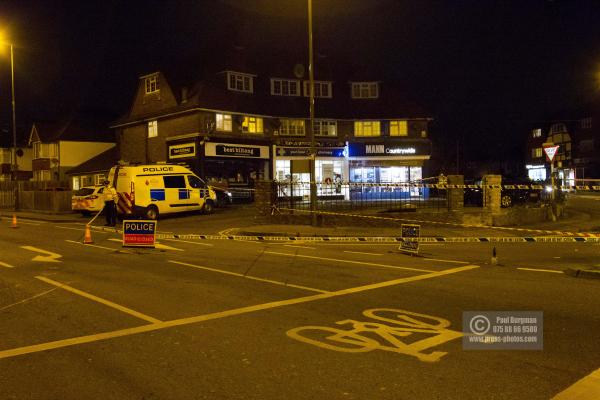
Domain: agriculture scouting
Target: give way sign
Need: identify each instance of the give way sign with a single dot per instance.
(550, 152)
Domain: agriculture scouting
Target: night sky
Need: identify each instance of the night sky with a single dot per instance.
(485, 70)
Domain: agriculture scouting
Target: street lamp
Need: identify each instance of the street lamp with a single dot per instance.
(311, 91)
(14, 166)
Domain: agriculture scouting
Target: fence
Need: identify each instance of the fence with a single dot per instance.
(352, 196)
(51, 196)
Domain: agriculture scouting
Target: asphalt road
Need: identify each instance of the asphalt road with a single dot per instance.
(247, 320)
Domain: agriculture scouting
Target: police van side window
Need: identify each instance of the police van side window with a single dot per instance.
(174, 181)
(195, 182)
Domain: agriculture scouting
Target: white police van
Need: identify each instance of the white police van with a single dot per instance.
(151, 190)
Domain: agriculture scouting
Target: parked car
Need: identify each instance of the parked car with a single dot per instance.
(88, 200)
(520, 193)
(223, 196)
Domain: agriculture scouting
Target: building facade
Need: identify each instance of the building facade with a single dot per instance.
(234, 127)
(578, 155)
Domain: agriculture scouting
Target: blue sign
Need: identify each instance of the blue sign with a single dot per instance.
(139, 233)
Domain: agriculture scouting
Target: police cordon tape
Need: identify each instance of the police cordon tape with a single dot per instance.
(450, 186)
(375, 239)
(420, 221)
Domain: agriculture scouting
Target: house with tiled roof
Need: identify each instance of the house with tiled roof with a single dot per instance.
(247, 121)
(59, 146)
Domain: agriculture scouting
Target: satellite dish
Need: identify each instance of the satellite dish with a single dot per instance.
(299, 71)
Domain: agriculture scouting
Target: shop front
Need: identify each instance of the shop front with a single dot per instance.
(381, 165)
(292, 170)
(224, 164)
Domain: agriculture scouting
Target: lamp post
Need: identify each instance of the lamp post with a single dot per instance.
(14, 124)
(311, 91)
(13, 163)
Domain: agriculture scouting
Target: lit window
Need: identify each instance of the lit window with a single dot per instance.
(152, 84)
(322, 89)
(367, 128)
(252, 125)
(291, 127)
(398, 128)
(285, 87)
(325, 128)
(152, 129)
(537, 152)
(224, 122)
(365, 90)
(239, 82)
(537, 132)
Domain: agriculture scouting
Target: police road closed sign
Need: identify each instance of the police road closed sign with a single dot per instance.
(139, 233)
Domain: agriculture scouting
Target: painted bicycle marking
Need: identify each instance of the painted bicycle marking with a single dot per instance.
(386, 334)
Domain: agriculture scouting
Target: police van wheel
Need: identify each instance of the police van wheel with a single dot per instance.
(151, 213)
(208, 207)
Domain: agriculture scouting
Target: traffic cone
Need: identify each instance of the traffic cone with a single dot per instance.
(88, 236)
(14, 221)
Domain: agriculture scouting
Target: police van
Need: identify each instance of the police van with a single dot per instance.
(152, 190)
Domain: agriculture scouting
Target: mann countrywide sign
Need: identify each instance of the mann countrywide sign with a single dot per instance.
(235, 150)
(407, 149)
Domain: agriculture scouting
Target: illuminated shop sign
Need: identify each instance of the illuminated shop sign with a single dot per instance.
(235, 150)
(182, 150)
(305, 152)
(386, 149)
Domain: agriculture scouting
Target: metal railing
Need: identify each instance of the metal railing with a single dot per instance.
(354, 196)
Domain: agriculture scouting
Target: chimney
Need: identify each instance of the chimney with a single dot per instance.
(184, 95)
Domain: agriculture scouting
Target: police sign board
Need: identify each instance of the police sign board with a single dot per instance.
(410, 234)
(139, 233)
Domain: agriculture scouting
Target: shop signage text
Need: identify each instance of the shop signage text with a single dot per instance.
(182, 150)
(305, 152)
(387, 149)
(235, 150)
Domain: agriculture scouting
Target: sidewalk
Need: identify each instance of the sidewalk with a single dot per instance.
(45, 216)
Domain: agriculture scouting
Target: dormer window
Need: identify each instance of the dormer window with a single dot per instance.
(322, 89)
(365, 90)
(151, 84)
(537, 132)
(285, 87)
(558, 128)
(240, 82)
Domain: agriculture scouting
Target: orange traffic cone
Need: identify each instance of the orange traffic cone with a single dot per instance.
(14, 221)
(88, 236)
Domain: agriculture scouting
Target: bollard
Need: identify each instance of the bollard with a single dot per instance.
(494, 257)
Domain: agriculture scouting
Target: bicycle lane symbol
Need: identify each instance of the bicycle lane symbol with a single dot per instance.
(392, 325)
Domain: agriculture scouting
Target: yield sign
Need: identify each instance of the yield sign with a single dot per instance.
(550, 152)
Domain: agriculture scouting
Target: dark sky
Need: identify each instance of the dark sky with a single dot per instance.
(483, 69)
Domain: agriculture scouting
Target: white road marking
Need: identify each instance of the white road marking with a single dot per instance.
(57, 344)
(79, 229)
(3, 264)
(99, 300)
(587, 388)
(189, 241)
(91, 245)
(348, 261)
(447, 261)
(362, 252)
(28, 299)
(49, 256)
(248, 277)
(541, 270)
(157, 245)
(300, 247)
(28, 223)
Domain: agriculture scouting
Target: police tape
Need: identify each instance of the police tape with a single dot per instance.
(375, 239)
(586, 188)
(445, 223)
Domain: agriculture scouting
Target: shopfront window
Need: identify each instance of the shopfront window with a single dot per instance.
(283, 170)
(537, 174)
